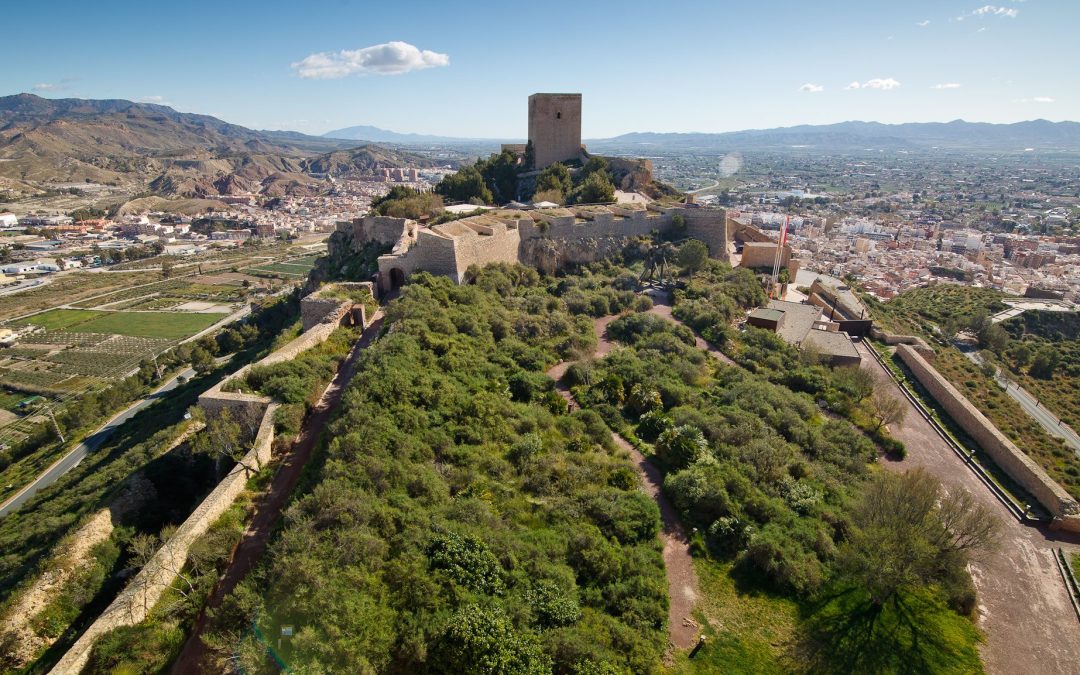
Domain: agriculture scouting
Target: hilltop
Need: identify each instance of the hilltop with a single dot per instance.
(154, 147)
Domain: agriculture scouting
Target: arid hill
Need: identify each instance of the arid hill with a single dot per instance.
(171, 153)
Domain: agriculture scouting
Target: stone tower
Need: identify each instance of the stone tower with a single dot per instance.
(555, 127)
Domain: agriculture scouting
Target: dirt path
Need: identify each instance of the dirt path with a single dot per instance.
(272, 502)
(1023, 604)
(662, 307)
(678, 565)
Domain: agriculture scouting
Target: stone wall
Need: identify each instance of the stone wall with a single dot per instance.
(555, 128)
(546, 240)
(383, 229)
(920, 345)
(1004, 452)
(250, 406)
(134, 603)
(316, 308)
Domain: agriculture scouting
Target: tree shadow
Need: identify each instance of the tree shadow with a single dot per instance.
(912, 632)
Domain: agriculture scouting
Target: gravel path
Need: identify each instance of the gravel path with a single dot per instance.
(678, 564)
(1023, 603)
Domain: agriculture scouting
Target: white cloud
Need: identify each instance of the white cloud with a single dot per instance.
(947, 85)
(391, 58)
(924, 23)
(884, 83)
(1036, 99)
(811, 88)
(160, 100)
(46, 86)
(994, 10)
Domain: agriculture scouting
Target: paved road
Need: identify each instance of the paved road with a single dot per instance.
(91, 443)
(1033, 408)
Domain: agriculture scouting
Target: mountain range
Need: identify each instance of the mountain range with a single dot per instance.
(153, 147)
(839, 137)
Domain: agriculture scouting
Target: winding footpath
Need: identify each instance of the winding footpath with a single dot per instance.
(678, 565)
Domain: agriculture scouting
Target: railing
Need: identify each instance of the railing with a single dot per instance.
(981, 473)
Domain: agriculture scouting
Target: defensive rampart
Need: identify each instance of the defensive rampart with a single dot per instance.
(1004, 452)
(547, 239)
(136, 600)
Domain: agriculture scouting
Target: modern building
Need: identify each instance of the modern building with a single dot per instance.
(804, 327)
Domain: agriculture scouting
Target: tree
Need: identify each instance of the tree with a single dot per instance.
(555, 177)
(909, 531)
(692, 256)
(596, 165)
(166, 267)
(596, 189)
(465, 186)
(481, 640)
(679, 447)
(989, 334)
(887, 409)
(1044, 363)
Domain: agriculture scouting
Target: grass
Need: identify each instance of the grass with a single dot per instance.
(747, 629)
(169, 326)
(60, 319)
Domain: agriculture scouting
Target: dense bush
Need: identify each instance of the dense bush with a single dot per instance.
(454, 522)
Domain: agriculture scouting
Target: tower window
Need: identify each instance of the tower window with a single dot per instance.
(558, 115)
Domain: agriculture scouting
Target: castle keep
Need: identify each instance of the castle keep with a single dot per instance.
(555, 128)
(547, 239)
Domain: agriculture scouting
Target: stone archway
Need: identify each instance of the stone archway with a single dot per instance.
(397, 278)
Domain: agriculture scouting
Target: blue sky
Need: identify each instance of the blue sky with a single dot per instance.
(466, 68)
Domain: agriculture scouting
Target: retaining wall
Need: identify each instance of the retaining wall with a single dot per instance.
(920, 345)
(141, 594)
(1004, 452)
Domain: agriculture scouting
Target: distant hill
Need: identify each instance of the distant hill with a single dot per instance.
(171, 153)
(956, 135)
(364, 161)
(376, 135)
(840, 137)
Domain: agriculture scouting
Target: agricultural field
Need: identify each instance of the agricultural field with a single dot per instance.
(297, 268)
(163, 325)
(70, 288)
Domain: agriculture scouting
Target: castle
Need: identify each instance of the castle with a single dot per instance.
(545, 238)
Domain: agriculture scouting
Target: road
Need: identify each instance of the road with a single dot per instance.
(1023, 605)
(1031, 405)
(89, 444)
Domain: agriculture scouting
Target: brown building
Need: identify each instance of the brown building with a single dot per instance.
(555, 128)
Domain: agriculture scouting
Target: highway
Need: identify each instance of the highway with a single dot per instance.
(88, 445)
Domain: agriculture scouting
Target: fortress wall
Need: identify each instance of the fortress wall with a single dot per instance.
(134, 603)
(383, 229)
(709, 226)
(920, 345)
(431, 253)
(501, 246)
(250, 406)
(1004, 452)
